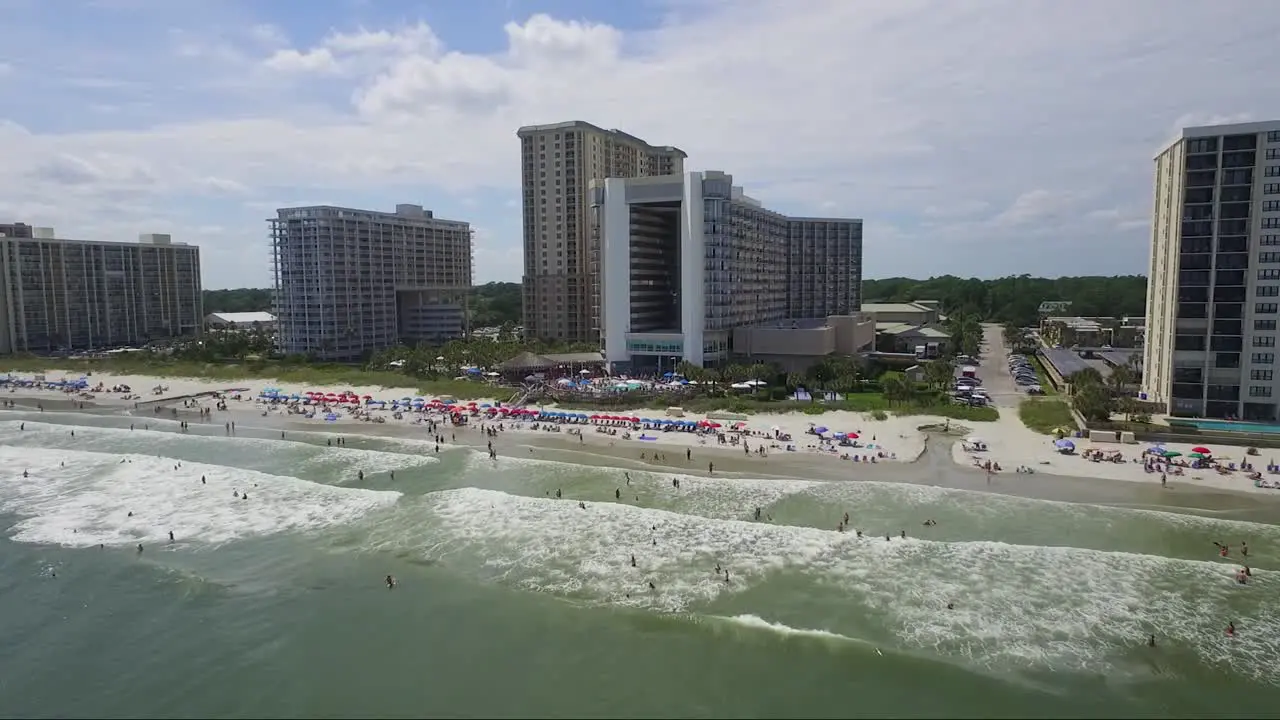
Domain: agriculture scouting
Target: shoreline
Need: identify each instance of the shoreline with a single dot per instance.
(948, 465)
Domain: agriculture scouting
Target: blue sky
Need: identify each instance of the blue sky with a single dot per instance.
(982, 138)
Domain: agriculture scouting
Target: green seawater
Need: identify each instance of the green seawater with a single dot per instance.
(513, 603)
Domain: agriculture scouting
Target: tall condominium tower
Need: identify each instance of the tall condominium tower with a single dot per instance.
(1213, 292)
(349, 281)
(83, 294)
(689, 259)
(561, 249)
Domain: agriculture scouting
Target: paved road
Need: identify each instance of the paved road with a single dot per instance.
(994, 370)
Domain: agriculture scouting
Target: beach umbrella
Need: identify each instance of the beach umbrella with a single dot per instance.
(1158, 449)
(1065, 445)
(820, 429)
(839, 436)
(1203, 450)
(852, 436)
(1198, 456)
(1171, 453)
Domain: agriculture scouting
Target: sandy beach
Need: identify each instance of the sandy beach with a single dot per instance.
(896, 439)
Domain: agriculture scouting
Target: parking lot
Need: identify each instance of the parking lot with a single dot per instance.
(994, 370)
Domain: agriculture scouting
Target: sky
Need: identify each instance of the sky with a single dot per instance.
(974, 137)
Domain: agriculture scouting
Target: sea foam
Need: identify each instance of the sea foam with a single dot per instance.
(79, 499)
(264, 455)
(1051, 608)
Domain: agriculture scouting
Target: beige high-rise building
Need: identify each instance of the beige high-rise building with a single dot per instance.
(561, 248)
(1213, 292)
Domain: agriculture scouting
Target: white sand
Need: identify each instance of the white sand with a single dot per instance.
(1012, 444)
(1009, 442)
(896, 438)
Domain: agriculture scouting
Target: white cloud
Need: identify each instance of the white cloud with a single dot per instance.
(290, 60)
(5, 69)
(1005, 126)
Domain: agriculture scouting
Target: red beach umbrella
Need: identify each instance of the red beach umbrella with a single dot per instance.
(1202, 450)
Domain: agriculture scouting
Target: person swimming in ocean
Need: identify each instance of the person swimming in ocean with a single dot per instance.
(391, 582)
(1231, 629)
(170, 536)
(633, 561)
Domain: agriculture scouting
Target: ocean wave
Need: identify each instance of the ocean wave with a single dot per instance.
(1054, 608)
(266, 455)
(82, 499)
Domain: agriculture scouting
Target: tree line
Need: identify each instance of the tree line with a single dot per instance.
(1016, 299)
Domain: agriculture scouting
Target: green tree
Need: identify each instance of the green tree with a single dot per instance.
(939, 374)
(1016, 299)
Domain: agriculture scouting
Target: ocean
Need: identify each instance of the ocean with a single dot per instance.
(511, 602)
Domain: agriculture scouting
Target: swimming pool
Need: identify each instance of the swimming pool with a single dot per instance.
(1230, 426)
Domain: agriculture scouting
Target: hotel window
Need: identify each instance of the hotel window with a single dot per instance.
(1271, 223)
(1264, 324)
(1271, 189)
(1270, 239)
(1273, 153)
(1269, 274)
(1268, 291)
(1265, 341)
(1273, 136)
(1263, 358)
(1269, 257)
(1272, 171)
(1265, 308)
(1270, 205)
(1264, 375)
(1260, 391)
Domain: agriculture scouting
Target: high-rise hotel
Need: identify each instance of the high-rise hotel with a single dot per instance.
(561, 249)
(695, 270)
(1213, 295)
(60, 294)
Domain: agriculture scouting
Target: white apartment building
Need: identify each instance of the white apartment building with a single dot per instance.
(561, 249)
(688, 259)
(60, 294)
(349, 281)
(1213, 294)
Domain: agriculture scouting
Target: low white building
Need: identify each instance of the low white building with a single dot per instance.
(241, 321)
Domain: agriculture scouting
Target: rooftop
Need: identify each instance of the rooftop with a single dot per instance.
(1200, 131)
(244, 317)
(584, 125)
(896, 307)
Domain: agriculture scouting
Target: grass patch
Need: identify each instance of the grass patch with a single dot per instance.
(1046, 383)
(294, 376)
(1045, 415)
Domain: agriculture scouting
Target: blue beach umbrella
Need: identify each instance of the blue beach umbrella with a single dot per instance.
(820, 429)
